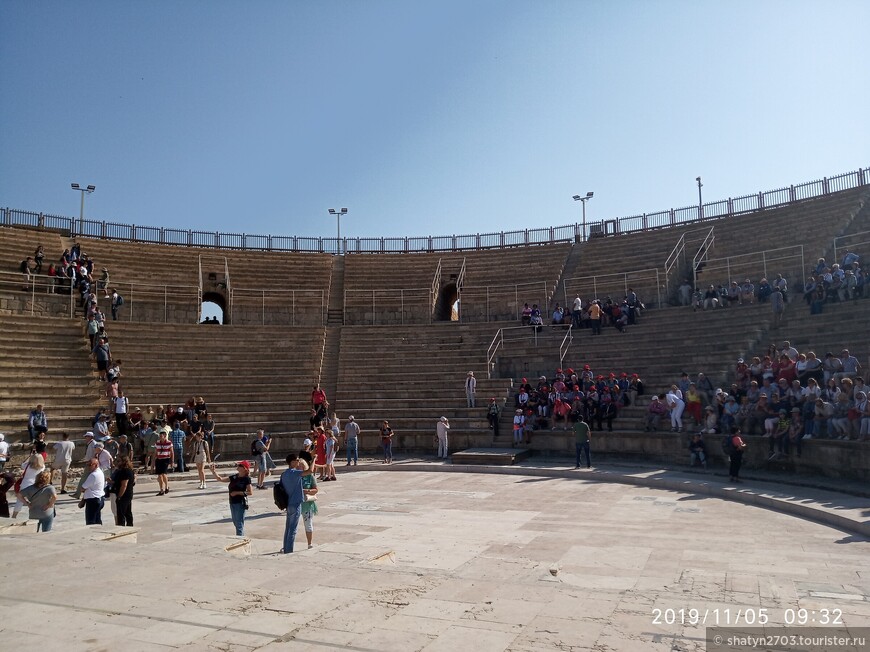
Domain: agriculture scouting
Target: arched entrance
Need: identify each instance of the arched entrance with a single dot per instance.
(446, 309)
(214, 307)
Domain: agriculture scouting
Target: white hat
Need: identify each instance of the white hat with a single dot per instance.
(350, 418)
(2, 436)
(307, 442)
(444, 419)
(89, 434)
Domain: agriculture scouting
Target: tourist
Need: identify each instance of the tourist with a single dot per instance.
(387, 442)
(470, 388)
(63, 451)
(291, 480)
(40, 498)
(164, 453)
(208, 428)
(734, 450)
(492, 414)
(351, 440)
(7, 482)
(37, 422)
(239, 486)
(309, 504)
(519, 426)
(442, 428)
(123, 481)
(178, 436)
(582, 440)
(318, 398)
(103, 355)
(34, 465)
(93, 492)
(331, 450)
(201, 457)
(320, 452)
(4, 451)
(676, 405)
(697, 451)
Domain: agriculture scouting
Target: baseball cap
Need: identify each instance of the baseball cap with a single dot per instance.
(244, 463)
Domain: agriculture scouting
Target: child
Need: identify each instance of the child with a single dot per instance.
(309, 490)
(519, 424)
(387, 442)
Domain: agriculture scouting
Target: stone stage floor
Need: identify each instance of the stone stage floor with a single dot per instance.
(424, 561)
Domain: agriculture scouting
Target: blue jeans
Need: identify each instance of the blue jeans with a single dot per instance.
(93, 507)
(179, 459)
(237, 512)
(584, 448)
(44, 524)
(293, 514)
(352, 450)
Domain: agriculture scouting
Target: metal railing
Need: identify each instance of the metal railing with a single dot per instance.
(388, 306)
(436, 286)
(38, 288)
(460, 281)
(852, 241)
(592, 287)
(547, 235)
(509, 334)
(788, 261)
(269, 306)
(510, 297)
(702, 254)
(566, 344)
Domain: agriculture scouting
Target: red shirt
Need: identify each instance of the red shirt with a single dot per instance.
(318, 396)
(320, 449)
(164, 449)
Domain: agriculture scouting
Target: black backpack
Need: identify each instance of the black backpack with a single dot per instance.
(254, 450)
(728, 445)
(120, 301)
(279, 495)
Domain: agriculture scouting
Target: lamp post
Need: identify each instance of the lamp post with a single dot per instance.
(338, 214)
(700, 202)
(584, 200)
(88, 190)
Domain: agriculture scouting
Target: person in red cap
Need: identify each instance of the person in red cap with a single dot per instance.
(239, 485)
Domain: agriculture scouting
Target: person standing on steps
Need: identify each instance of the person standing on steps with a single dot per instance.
(577, 313)
(470, 388)
(735, 454)
(777, 302)
(492, 414)
(442, 428)
(595, 317)
(63, 451)
(387, 442)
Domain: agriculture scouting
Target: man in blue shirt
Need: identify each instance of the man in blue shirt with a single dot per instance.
(291, 479)
(177, 437)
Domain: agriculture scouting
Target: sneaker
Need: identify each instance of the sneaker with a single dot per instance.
(310, 546)
(63, 491)
(160, 493)
(167, 491)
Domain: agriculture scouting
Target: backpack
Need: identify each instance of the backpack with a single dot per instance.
(279, 495)
(728, 445)
(254, 450)
(120, 301)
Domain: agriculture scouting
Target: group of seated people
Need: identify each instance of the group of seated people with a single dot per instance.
(589, 314)
(835, 283)
(787, 397)
(725, 294)
(72, 269)
(569, 397)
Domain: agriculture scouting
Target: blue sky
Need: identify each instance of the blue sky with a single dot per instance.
(421, 117)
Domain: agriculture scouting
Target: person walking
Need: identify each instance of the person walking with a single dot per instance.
(177, 437)
(40, 498)
(34, 465)
(291, 480)
(201, 456)
(442, 428)
(63, 451)
(470, 388)
(239, 486)
(309, 504)
(164, 453)
(582, 438)
(492, 414)
(351, 440)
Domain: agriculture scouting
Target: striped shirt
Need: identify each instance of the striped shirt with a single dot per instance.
(163, 449)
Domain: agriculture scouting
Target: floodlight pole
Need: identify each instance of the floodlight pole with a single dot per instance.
(700, 201)
(583, 200)
(88, 190)
(338, 214)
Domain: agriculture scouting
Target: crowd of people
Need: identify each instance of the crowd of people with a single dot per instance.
(567, 398)
(590, 314)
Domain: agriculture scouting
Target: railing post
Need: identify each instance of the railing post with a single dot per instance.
(487, 299)
(760, 200)
(803, 269)
(791, 193)
(730, 206)
(728, 267)
(264, 307)
(526, 236)
(373, 307)
(165, 314)
(825, 187)
(516, 299)
(501, 239)
(658, 289)
(764, 262)
(672, 216)
(594, 288)
(217, 240)
(645, 224)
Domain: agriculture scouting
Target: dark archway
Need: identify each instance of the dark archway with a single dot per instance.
(214, 306)
(445, 309)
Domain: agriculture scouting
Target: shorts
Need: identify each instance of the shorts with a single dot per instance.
(260, 461)
(162, 466)
(330, 458)
(61, 466)
(308, 520)
(199, 458)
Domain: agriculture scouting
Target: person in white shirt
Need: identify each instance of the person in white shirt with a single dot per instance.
(94, 491)
(121, 407)
(577, 312)
(4, 451)
(676, 405)
(63, 451)
(103, 457)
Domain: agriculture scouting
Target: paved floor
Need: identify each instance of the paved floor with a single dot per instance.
(425, 561)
